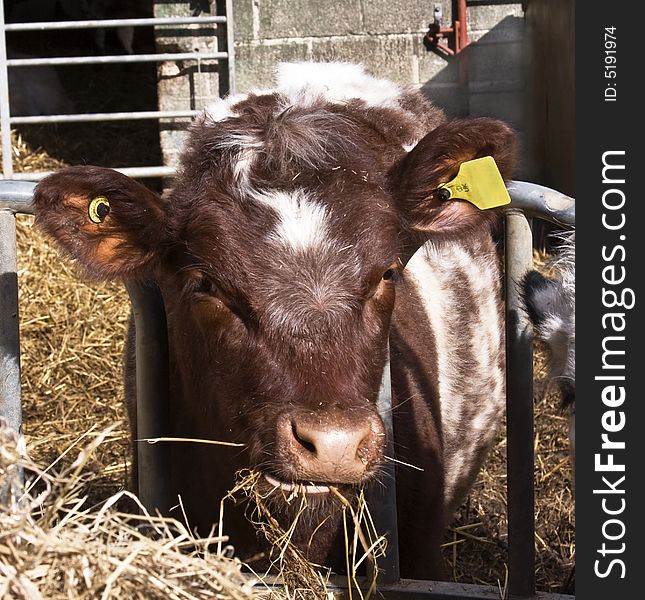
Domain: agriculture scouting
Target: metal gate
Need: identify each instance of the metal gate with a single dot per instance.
(203, 40)
(527, 200)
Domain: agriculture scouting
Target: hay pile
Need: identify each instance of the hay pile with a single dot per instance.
(72, 339)
(53, 545)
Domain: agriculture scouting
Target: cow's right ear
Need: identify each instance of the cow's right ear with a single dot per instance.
(112, 225)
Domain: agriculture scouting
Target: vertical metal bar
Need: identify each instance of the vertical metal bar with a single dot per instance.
(519, 412)
(5, 114)
(461, 41)
(10, 409)
(382, 499)
(462, 17)
(230, 48)
(152, 395)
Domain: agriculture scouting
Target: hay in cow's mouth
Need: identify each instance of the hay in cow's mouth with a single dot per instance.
(363, 544)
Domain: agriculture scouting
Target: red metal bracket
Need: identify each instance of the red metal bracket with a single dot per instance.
(458, 32)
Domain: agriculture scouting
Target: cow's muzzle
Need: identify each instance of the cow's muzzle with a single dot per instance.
(332, 445)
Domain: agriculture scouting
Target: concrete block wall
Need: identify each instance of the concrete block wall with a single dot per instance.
(387, 37)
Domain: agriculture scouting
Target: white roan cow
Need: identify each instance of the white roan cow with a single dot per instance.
(280, 253)
(551, 305)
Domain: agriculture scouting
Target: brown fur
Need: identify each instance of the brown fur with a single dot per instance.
(266, 340)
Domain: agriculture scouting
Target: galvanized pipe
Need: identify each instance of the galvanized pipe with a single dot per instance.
(539, 201)
(118, 58)
(99, 23)
(230, 49)
(114, 116)
(137, 172)
(152, 388)
(10, 409)
(519, 411)
(382, 499)
(16, 196)
(5, 108)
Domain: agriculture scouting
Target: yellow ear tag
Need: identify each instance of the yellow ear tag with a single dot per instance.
(480, 183)
(98, 209)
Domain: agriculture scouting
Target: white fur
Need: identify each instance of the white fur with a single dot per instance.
(409, 147)
(224, 108)
(308, 82)
(303, 222)
(433, 271)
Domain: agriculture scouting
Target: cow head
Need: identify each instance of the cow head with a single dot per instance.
(278, 253)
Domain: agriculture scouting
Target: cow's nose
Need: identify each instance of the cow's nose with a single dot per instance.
(334, 446)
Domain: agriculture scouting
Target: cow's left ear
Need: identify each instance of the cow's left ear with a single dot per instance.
(436, 160)
(112, 225)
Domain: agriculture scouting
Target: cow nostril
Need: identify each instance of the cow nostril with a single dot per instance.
(303, 440)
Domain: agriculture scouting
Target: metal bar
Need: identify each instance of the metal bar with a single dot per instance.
(16, 196)
(5, 107)
(136, 172)
(462, 17)
(153, 419)
(116, 116)
(539, 201)
(119, 58)
(382, 499)
(10, 409)
(230, 48)
(92, 23)
(413, 589)
(519, 412)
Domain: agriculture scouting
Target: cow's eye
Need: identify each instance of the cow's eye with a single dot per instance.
(203, 285)
(392, 275)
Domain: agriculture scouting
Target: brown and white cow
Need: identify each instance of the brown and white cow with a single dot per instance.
(280, 254)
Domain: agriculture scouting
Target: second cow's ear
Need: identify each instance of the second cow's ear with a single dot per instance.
(112, 225)
(436, 160)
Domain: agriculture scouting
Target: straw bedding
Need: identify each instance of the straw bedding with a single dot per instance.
(53, 545)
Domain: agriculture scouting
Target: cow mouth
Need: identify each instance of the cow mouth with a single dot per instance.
(297, 487)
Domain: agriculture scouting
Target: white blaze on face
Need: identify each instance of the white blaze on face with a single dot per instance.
(303, 222)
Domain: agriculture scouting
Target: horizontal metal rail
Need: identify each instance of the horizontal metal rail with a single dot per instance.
(545, 203)
(16, 196)
(413, 589)
(97, 23)
(95, 117)
(136, 172)
(64, 61)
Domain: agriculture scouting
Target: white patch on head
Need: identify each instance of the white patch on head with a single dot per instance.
(245, 148)
(308, 82)
(409, 147)
(225, 108)
(222, 108)
(303, 222)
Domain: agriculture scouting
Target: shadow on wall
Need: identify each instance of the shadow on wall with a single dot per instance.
(488, 79)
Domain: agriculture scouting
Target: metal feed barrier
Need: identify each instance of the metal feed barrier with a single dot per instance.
(527, 200)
